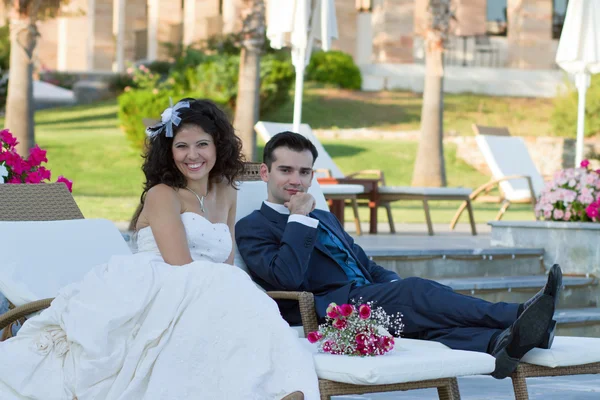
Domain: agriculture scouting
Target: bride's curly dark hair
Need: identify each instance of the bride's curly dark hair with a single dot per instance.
(159, 166)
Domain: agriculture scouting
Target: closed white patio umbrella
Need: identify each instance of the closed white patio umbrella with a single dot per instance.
(579, 54)
(297, 24)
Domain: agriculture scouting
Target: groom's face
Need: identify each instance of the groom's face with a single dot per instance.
(291, 172)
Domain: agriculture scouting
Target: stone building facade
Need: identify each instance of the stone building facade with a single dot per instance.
(106, 35)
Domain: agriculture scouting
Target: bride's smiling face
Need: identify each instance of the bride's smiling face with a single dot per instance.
(194, 152)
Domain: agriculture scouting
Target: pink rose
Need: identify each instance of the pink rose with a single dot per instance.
(567, 216)
(365, 350)
(36, 156)
(364, 311)
(8, 139)
(314, 337)
(346, 310)
(333, 310)
(584, 163)
(340, 323)
(361, 339)
(66, 182)
(388, 343)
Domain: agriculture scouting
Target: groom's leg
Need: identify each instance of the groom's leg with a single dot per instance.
(427, 305)
(471, 338)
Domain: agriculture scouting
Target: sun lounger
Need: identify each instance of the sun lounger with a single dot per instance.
(568, 355)
(377, 192)
(513, 171)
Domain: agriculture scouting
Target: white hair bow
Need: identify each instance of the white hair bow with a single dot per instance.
(168, 118)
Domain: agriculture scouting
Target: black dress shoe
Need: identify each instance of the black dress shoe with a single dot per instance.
(549, 336)
(527, 332)
(551, 288)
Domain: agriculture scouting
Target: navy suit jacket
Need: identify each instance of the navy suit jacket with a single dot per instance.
(287, 256)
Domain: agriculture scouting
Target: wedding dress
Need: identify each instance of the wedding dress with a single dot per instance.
(138, 328)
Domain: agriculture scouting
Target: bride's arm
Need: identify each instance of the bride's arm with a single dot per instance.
(162, 209)
(232, 194)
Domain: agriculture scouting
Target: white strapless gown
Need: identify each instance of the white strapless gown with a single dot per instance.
(138, 328)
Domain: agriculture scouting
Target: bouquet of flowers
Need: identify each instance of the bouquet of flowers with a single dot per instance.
(356, 330)
(573, 195)
(16, 169)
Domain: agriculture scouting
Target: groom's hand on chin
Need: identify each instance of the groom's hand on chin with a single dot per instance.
(301, 203)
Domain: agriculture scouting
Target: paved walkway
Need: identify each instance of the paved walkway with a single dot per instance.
(582, 387)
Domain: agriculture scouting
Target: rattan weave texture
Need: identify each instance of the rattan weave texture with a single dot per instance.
(41, 202)
(447, 388)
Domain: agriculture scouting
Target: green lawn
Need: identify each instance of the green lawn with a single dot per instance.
(85, 144)
(326, 108)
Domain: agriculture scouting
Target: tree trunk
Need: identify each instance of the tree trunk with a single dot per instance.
(429, 165)
(248, 99)
(19, 100)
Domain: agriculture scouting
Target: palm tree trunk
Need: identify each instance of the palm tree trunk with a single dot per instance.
(248, 100)
(429, 166)
(19, 101)
(247, 103)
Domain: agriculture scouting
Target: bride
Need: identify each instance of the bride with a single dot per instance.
(176, 320)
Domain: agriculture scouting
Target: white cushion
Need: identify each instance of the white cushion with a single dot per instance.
(267, 130)
(400, 365)
(426, 191)
(566, 351)
(40, 257)
(250, 197)
(342, 189)
(508, 155)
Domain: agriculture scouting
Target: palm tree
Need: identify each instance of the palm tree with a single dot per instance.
(248, 100)
(429, 166)
(24, 15)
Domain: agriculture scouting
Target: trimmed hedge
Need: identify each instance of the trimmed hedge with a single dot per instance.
(216, 78)
(564, 116)
(334, 67)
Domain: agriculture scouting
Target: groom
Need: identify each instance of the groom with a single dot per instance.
(288, 245)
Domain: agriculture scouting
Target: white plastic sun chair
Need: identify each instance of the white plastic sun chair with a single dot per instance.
(64, 251)
(513, 170)
(378, 193)
(409, 366)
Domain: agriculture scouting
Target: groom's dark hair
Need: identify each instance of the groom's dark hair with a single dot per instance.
(291, 140)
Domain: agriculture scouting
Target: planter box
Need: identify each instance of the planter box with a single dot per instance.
(573, 245)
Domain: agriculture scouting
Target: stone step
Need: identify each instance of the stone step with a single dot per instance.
(578, 322)
(443, 263)
(578, 291)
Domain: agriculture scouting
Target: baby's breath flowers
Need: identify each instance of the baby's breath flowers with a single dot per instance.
(356, 330)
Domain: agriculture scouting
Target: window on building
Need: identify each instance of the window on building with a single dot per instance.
(496, 17)
(559, 11)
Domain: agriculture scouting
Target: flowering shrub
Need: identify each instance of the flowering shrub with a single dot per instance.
(573, 195)
(16, 169)
(356, 330)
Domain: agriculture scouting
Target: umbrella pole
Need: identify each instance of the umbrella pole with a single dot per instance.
(300, 65)
(582, 81)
